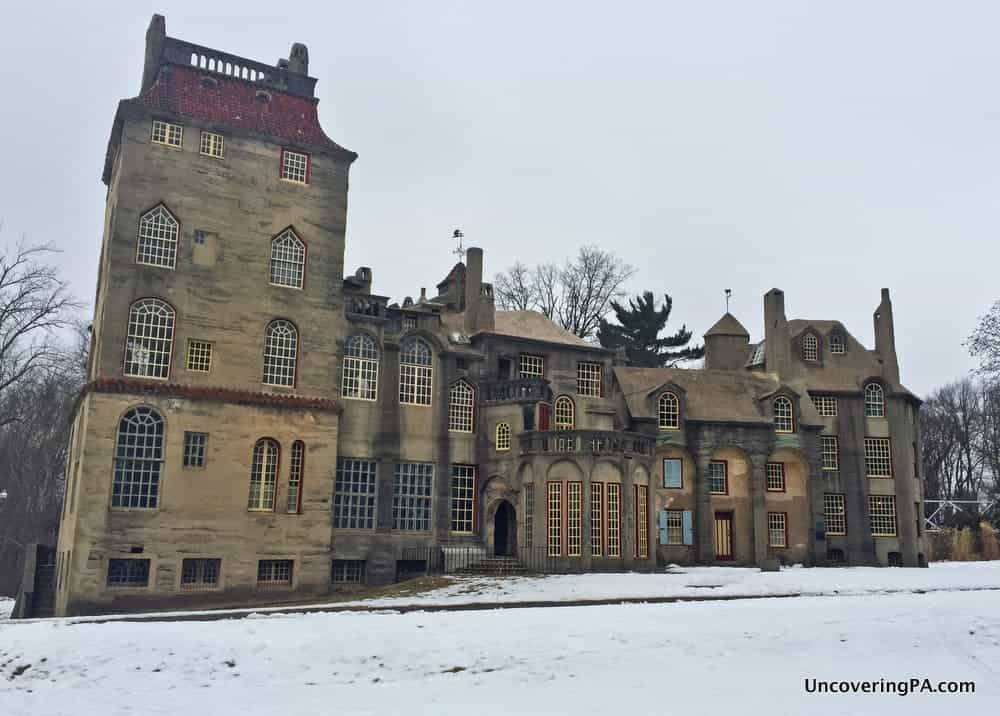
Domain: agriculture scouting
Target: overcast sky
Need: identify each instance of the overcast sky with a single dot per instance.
(828, 149)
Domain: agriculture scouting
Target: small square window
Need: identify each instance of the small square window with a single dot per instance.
(200, 573)
(199, 236)
(194, 449)
(348, 571)
(211, 144)
(128, 572)
(826, 405)
(673, 473)
(837, 344)
(171, 135)
(294, 166)
(274, 573)
(199, 356)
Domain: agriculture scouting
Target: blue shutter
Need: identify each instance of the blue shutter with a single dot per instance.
(688, 525)
(662, 524)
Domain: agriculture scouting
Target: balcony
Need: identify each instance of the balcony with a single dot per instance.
(586, 442)
(520, 390)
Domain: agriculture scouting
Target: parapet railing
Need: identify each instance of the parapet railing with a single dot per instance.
(586, 442)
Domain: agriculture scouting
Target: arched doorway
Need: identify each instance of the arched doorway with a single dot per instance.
(504, 530)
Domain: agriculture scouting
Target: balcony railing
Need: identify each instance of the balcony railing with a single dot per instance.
(519, 390)
(586, 442)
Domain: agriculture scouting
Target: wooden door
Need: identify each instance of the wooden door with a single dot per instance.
(723, 535)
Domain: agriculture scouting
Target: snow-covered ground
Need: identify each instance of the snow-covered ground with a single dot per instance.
(746, 657)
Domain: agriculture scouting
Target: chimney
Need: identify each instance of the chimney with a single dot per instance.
(777, 352)
(885, 338)
(298, 59)
(156, 34)
(726, 344)
(473, 288)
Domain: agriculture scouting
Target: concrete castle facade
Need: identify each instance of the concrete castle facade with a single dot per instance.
(259, 428)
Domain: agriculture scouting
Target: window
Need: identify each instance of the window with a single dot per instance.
(463, 498)
(574, 519)
(529, 515)
(718, 477)
(777, 529)
(503, 436)
(461, 399)
(874, 401)
(675, 526)
(416, 375)
(194, 449)
(211, 144)
(596, 518)
(554, 513)
(274, 573)
(831, 452)
(354, 496)
(878, 457)
(138, 459)
(531, 366)
(128, 572)
(810, 347)
(669, 412)
(837, 344)
(411, 496)
(200, 573)
(589, 379)
(564, 413)
(783, 422)
(157, 241)
(882, 511)
(641, 522)
(360, 377)
(288, 260)
(294, 166)
(171, 135)
(776, 476)
(409, 322)
(834, 514)
(835, 555)
(614, 519)
(263, 475)
(826, 405)
(199, 356)
(150, 339)
(296, 468)
(673, 472)
(281, 350)
(348, 571)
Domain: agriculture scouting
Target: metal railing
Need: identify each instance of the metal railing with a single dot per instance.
(475, 559)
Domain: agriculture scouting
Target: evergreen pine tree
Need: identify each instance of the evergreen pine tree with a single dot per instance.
(638, 330)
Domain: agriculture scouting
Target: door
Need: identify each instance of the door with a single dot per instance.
(723, 535)
(544, 416)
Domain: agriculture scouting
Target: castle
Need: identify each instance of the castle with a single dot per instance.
(260, 428)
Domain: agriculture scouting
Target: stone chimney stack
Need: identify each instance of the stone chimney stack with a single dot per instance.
(777, 349)
(885, 338)
(156, 34)
(298, 59)
(473, 288)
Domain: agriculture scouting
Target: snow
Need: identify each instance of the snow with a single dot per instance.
(6, 607)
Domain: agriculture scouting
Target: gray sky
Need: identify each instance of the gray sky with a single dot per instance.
(825, 148)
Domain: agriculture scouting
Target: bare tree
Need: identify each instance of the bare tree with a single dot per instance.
(515, 289)
(548, 289)
(984, 343)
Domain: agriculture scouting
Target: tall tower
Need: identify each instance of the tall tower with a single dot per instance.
(201, 445)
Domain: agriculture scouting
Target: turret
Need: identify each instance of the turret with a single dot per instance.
(885, 338)
(156, 35)
(777, 352)
(726, 344)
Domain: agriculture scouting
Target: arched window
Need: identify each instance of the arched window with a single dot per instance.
(416, 374)
(836, 344)
(503, 436)
(288, 260)
(149, 339)
(295, 470)
(138, 459)
(669, 412)
(783, 420)
(281, 349)
(565, 418)
(263, 475)
(360, 378)
(157, 243)
(810, 347)
(874, 401)
(461, 401)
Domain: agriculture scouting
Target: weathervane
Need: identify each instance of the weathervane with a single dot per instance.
(729, 292)
(460, 250)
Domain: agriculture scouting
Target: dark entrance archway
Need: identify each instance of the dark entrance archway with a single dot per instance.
(504, 530)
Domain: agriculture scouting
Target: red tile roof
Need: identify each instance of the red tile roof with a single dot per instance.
(209, 393)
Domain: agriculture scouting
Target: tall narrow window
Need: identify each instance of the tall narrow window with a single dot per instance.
(461, 402)
(718, 477)
(834, 514)
(463, 498)
(295, 470)
(150, 339)
(614, 519)
(288, 260)
(596, 518)
(281, 349)
(263, 476)
(195, 445)
(354, 496)
(529, 515)
(777, 529)
(565, 418)
(416, 374)
(531, 366)
(776, 477)
(295, 166)
(878, 457)
(360, 376)
(588, 379)
(199, 356)
(675, 526)
(157, 243)
(874, 401)
(503, 437)
(138, 459)
(412, 484)
(673, 473)
(882, 511)
(831, 452)
(810, 347)
(783, 420)
(669, 412)
(554, 518)
(574, 519)
(641, 522)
